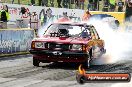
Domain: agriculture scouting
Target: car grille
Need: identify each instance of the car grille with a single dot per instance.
(59, 46)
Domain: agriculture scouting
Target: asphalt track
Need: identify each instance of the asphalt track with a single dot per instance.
(18, 71)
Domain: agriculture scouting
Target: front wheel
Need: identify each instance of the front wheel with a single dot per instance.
(36, 62)
(87, 63)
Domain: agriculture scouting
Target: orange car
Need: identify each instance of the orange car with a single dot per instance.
(67, 42)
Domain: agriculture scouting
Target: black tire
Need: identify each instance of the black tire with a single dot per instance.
(36, 62)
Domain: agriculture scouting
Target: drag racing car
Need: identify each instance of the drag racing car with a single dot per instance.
(67, 42)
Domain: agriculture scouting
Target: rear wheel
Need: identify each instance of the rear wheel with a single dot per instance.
(36, 62)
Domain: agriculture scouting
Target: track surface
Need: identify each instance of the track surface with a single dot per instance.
(18, 71)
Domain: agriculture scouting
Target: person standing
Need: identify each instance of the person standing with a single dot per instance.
(120, 6)
(72, 2)
(76, 4)
(112, 5)
(32, 2)
(96, 3)
(52, 3)
(90, 5)
(59, 3)
(81, 4)
(39, 2)
(4, 16)
(128, 12)
(65, 3)
(106, 6)
(45, 3)
(12, 1)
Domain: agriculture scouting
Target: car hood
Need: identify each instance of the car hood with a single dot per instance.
(72, 40)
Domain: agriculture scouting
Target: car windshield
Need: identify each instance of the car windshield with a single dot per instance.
(72, 30)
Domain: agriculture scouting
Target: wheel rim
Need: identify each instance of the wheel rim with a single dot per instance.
(88, 63)
(89, 58)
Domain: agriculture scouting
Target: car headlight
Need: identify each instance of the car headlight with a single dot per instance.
(39, 45)
(77, 47)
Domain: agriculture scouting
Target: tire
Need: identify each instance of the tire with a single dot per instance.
(87, 63)
(36, 62)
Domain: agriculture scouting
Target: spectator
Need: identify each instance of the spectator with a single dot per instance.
(32, 2)
(59, 3)
(12, 1)
(81, 4)
(120, 6)
(71, 3)
(112, 5)
(129, 3)
(52, 3)
(76, 4)
(45, 3)
(90, 5)
(39, 2)
(96, 5)
(86, 16)
(4, 16)
(65, 3)
(106, 6)
(128, 13)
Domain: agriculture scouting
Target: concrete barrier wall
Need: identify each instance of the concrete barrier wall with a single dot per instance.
(15, 40)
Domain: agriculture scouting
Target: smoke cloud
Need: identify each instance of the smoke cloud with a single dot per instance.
(117, 43)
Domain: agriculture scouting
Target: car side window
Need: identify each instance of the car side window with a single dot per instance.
(85, 33)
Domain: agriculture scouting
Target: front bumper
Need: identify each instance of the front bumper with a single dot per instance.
(65, 56)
